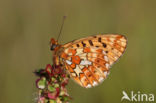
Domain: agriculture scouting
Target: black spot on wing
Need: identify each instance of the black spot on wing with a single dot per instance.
(84, 45)
(99, 39)
(104, 45)
(90, 42)
(77, 45)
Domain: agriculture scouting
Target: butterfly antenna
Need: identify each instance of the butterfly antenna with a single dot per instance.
(64, 17)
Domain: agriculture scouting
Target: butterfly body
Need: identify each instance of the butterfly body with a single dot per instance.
(89, 59)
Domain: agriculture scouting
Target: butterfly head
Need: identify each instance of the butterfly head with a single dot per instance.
(53, 44)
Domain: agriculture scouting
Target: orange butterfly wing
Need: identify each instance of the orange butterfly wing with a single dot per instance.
(88, 60)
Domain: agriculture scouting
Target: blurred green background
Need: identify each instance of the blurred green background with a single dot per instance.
(26, 27)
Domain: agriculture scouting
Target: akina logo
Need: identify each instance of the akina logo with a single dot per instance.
(137, 97)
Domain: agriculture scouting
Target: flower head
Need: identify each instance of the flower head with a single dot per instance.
(52, 83)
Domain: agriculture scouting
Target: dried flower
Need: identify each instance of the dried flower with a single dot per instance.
(52, 85)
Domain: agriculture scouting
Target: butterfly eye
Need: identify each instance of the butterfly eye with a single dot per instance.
(53, 44)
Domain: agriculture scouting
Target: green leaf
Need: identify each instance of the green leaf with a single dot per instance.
(41, 83)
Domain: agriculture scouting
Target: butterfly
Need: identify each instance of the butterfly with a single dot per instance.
(88, 60)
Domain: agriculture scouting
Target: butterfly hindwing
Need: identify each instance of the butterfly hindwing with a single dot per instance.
(88, 59)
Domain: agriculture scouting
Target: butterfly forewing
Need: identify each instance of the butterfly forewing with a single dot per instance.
(88, 59)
